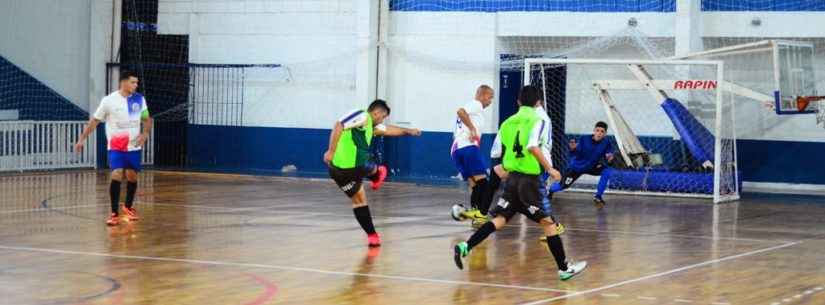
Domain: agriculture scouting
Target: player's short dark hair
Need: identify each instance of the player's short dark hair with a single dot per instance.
(124, 75)
(379, 103)
(529, 96)
(602, 125)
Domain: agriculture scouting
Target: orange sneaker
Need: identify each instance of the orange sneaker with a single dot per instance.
(373, 240)
(113, 220)
(131, 214)
(380, 175)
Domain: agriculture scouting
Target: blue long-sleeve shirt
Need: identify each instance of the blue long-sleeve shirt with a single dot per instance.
(588, 153)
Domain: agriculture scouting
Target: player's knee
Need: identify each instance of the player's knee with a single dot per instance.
(359, 199)
(131, 175)
(550, 230)
(481, 181)
(549, 226)
(499, 222)
(117, 175)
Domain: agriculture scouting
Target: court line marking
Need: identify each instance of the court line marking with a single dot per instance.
(288, 268)
(664, 273)
(250, 209)
(42, 209)
(254, 209)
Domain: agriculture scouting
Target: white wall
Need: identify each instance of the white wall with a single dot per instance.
(104, 31)
(316, 40)
(435, 59)
(440, 57)
(427, 81)
(50, 40)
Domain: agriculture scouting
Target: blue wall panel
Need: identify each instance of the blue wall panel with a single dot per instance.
(599, 5)
(781, 161)
(32, 99)
(261, 149)
(534, 5)
(256, 148)
(763, 5)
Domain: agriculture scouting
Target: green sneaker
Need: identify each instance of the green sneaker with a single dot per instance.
(461, 250)
(573, 269)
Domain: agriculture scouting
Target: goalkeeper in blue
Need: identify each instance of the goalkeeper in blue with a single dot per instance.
(588, 156)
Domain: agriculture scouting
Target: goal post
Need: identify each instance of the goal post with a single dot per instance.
(670, 121)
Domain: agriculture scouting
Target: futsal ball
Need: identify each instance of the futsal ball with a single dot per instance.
(457, 212)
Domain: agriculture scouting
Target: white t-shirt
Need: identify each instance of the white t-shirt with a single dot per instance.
(547, 134)
(122, 117)
(462, 137)
(357, 118)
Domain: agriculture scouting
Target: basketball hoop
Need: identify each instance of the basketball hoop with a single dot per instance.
(802, 102)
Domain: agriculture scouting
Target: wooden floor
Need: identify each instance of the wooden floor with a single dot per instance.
(225, 239)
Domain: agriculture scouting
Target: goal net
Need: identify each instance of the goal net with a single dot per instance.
(670, 122)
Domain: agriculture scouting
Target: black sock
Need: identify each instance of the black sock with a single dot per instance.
(131, 187)
(557, 248)
(114, 195)
(362, 214)
(477, 194)
(486, 197)
(482, 233)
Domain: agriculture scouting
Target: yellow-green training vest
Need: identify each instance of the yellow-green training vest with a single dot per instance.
(515, 133)
(353, 148)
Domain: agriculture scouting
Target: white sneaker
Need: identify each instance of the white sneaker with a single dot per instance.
(573, 269)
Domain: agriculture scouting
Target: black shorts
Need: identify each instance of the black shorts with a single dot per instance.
(349, 180)
(521, 195)
(569, 176)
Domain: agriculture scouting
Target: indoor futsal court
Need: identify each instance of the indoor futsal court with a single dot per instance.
(412, 152)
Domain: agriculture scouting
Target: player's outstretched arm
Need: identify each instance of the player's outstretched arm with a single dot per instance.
(395, 131)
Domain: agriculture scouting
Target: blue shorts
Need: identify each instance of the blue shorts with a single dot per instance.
(123, 159)
(468, 162)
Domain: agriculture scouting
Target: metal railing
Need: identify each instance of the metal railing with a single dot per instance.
(49, 145)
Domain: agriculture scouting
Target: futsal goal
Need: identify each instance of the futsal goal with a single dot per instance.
(673, 120)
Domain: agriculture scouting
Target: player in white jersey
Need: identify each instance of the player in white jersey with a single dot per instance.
(124, 112)
(466, 154)
(546, 148)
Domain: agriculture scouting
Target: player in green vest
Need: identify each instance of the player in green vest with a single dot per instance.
(350, 161)
(521, 136)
